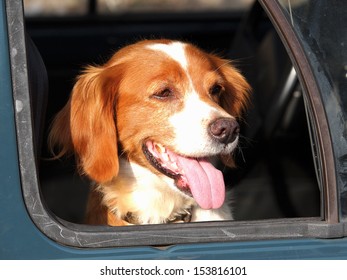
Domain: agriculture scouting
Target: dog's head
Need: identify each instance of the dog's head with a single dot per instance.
(168, 105)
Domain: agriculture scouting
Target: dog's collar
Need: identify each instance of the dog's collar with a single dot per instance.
(185, 217)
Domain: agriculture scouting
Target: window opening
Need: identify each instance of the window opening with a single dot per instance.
(284, 127)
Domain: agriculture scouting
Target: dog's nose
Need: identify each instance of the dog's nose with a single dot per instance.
(224, 130)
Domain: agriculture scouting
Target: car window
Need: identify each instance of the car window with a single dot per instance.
(275, 173)
(314, 22)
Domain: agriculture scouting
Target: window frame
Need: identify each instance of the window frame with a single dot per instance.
(315, 106)
(85, 236)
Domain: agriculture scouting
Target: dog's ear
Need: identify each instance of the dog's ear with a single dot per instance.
(86, 125)
(235, 99)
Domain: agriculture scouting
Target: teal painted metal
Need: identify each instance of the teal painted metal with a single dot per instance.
(20, 238)
(16, 230)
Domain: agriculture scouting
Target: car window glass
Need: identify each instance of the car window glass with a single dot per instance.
(322, 29)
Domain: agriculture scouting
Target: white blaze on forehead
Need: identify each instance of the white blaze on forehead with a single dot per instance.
(175, 50)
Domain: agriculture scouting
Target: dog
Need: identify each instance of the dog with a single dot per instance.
(145, 127)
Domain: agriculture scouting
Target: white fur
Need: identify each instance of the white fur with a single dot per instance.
(175, 50)
(191, 129)
(220, 214)
(154, 199)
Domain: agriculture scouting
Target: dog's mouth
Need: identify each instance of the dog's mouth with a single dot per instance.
(195, 177)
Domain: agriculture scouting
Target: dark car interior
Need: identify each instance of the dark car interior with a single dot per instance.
(275, 175)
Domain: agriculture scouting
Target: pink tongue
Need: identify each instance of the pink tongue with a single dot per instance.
(205, 182)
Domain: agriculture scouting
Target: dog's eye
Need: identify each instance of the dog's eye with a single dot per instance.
(163, 94)
(216, 90)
